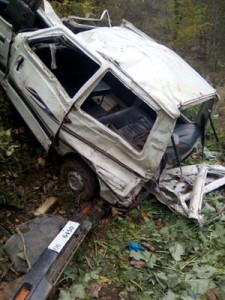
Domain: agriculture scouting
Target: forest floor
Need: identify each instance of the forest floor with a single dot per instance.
(180, 261)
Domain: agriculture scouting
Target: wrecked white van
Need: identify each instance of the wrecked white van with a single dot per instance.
(115, 104)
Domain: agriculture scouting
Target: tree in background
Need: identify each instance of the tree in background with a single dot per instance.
(178, 23)
(216, 35)
(186, 22)
(135, 11)
(71, 7)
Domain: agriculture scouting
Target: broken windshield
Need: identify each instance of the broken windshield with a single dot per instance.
(191, 113)
(195, 113)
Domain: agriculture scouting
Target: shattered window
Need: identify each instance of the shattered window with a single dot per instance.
(198, 113)
(70, 65)
(191, 113)
(119, 109)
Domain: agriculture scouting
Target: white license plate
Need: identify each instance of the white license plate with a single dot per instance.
(64, 236)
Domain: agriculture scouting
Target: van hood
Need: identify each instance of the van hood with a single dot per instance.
(159, 71)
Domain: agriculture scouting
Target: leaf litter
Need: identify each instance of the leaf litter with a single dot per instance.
(186, 262)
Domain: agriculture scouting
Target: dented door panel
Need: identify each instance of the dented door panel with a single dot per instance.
(114, 146)
(121, 180)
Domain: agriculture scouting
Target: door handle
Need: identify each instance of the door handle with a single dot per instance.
(19, 63)
(2, 38)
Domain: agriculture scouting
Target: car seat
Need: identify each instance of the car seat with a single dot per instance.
(21, 14)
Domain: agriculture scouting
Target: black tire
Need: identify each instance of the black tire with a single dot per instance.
(76, 174)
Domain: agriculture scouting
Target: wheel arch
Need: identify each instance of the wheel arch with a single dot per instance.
(77, 156)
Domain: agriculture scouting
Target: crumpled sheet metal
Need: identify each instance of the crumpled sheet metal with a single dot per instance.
(183, 192)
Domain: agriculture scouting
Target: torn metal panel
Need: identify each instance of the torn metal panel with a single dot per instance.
(184, 193)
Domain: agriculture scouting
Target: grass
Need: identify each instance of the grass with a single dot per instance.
(184, 261)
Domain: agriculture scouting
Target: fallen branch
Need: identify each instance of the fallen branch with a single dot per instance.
(45, 207)
(24, 248)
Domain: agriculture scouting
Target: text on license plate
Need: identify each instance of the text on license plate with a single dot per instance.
(64, 236)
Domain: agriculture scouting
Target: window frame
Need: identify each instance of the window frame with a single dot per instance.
(78, 104)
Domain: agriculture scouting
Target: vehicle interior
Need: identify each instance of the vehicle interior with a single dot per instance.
(71, 66)
(117, 107)
(21, 16)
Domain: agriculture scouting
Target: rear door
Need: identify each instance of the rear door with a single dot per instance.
(5, 41)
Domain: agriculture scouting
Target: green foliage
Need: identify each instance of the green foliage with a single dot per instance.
(76, 292)
(215, 36)
(7, 147)
(186, 20)
(71, 7)
(184, 261)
